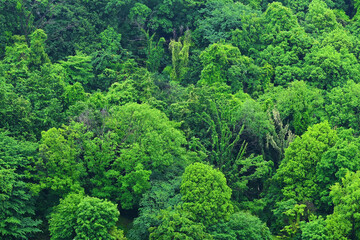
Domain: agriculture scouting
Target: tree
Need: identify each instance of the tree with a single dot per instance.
(72, 94)
(342, 105)
(320, 18)
(345, 196)
(14, 109)
(242, 225)
(16, 60)
(230, 130)
(138, 14)
(284, 45)
(17, 208)
(294, 216)
(180, 56)
(315, 229)
(217, 60)
(218, 20)
(299, 105)
(44, 89)
(155, 52)
(276, 19)
(284, 52)
(205, 194)
(107, 58)
(163, 196)
(115, 153)
(95, 219)
(72, 26)
(297, 172)
(38, 55)
(299, 7)
(223, 63)
(327, 68)
(148, 143)
(341, 39)
(60, 167)
(80, 217)
(281, 138)
(79, 69)
(39, 83)
(335, 163)
(137, 86)
(178, 225)
(63, 219)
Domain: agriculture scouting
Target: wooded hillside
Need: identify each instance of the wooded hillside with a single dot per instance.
(180, 119)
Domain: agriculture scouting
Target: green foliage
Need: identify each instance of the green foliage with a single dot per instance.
(103, 89)
(280, 219)
(299, 105)
(16, 201)
(223, 63)
(342, 105)
(15, 217)
(335, 162)
(38, 87)
(106, 59)
(117, 163)
(71, 26)
(278, 18)
(345, 195)
(299, 7)
(110, 41)
(294, 215)
(63, 219)
(217, 122)
(315, 229)
(280, 139)
(14, 108)
(60, 165)
(73, 93)
(137, 87)
(326, 68)
(320, 18)
(79, 217)
(38, 56)
(45, 90)
(78, 69)
(94, 218)
(297, 172)
(205, 194)
(148, 143)
(15, 63)
(219, 18)
(178, 225)
(139, 14)
(282, 59)
(161, 196)
(341, 40)
(217, 60)
(242, 225)
(154, 51)
(180, 56)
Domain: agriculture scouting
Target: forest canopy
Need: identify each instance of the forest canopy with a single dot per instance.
(179, 119)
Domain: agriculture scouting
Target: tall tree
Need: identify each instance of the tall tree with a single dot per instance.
(205, 194)
(178, 225)
(81, 217)
(345, 195)
(180, 56)
(297, 172)
(16, 200)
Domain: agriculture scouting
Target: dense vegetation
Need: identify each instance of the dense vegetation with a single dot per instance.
(180, 119)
